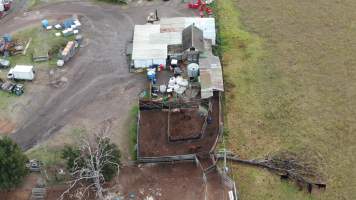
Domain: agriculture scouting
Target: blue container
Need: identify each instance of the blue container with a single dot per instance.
(151, 75)
(68, 23)
(7, 38)
(45, 23)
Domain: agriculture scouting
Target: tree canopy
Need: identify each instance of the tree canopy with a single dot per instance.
(12, 164)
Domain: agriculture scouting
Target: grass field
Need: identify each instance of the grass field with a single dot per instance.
(290, 76)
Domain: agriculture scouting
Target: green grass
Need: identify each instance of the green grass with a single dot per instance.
(48, 155)
(50, 151)
(265, 111)
(288, 89)
(5, 99)
(133, 131)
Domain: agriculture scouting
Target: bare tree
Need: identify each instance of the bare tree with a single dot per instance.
(97, 155)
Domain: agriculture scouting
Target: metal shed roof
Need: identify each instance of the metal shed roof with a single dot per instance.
(211, 76)
(143, 48)
(169, 38)
(177, 24)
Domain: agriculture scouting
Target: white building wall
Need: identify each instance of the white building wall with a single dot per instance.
(148, 62)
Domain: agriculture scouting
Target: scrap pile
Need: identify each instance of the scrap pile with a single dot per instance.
(67, 28)
(10, 47)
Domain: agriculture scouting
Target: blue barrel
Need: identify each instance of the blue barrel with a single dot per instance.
(151, 75)
(7, 38)
(45, 23)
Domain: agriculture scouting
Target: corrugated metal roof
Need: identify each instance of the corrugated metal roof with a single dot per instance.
(143, 48)
(177, 24)
(169, 38)
(211, 76)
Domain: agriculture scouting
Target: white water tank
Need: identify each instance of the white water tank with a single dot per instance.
(193, 70)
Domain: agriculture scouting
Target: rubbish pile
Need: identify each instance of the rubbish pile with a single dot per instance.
(10, 47)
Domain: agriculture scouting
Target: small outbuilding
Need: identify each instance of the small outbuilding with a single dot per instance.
(193, 39)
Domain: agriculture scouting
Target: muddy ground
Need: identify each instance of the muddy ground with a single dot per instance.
(153, 136)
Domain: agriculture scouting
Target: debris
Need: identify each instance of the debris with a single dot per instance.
(58, 26)
(17, 89)
(300, 168)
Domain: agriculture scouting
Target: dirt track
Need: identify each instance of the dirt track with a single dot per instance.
(99, 85)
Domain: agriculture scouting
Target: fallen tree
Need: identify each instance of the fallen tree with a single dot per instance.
(302, 169)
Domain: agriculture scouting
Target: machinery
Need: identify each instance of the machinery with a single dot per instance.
(152, 17)
(201, 5)
(10, 87)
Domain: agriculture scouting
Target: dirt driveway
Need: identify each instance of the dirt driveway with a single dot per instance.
(98, 85)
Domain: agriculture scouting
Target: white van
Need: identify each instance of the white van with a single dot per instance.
(22, 72)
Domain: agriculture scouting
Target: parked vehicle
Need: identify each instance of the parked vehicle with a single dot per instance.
(4, 63)
(7, 86)
(22, 72)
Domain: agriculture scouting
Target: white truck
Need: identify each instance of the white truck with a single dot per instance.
(22, 72)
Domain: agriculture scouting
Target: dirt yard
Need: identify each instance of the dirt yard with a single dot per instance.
(153, 136)
(185, 125)
(173, 182)
(291, 85)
